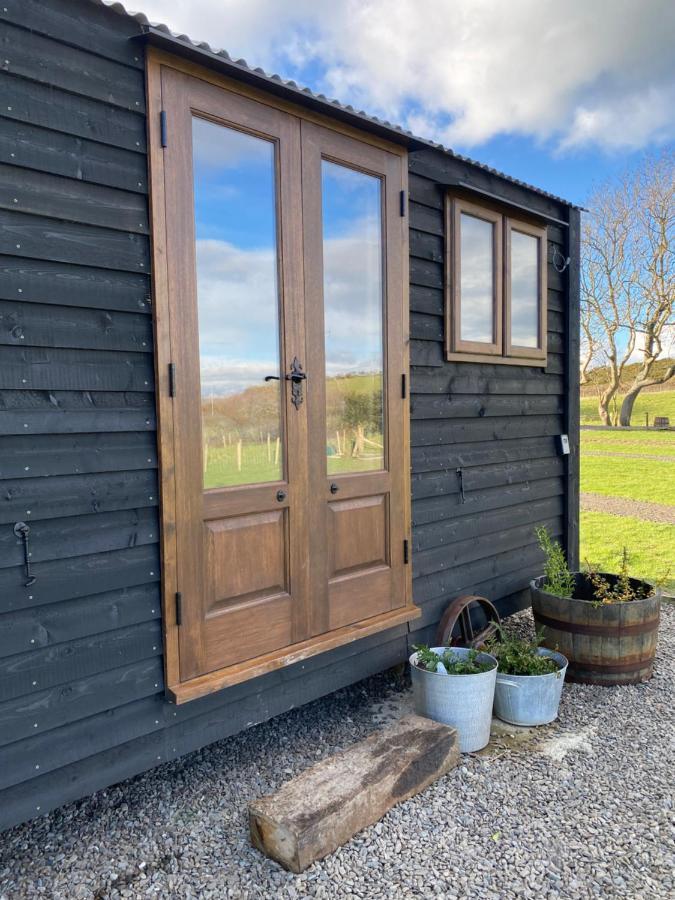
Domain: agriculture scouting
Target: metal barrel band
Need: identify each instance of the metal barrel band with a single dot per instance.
(614, 669)
(602, 630)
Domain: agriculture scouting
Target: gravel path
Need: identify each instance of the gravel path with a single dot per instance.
(582, 808)
(622, 506)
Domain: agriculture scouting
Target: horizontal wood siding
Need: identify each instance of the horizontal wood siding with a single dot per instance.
(82, 700)
(497, 423)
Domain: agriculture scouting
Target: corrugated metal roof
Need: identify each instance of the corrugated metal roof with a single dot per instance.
(329, 106)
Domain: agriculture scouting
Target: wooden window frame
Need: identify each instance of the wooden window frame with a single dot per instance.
(502, 351)
(457, 207)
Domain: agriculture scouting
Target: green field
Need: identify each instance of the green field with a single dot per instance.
(635, 479)
(651, 545)
(652, 443)
(658, 403)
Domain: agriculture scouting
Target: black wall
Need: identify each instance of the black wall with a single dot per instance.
(81, 685)
(497, 422)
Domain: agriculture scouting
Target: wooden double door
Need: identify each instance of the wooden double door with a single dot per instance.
(285, 298)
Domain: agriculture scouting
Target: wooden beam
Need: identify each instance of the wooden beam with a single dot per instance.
(321, 809)
(572, 400)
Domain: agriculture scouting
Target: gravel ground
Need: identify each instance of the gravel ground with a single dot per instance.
(621, 506)
(581, 808)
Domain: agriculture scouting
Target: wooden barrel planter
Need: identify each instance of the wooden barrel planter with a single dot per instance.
(607, 645)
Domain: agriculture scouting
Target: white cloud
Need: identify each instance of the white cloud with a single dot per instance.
(238, 310)
(463, 71)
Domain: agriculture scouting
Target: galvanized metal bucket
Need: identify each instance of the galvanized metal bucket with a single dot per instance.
(463, 701)
(530, 699)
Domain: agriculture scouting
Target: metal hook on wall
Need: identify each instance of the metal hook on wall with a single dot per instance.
(560, 262)
(21, 530)
(460, 476)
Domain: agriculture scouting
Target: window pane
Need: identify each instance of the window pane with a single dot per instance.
(524, 290)
(477, 280)
(235, 226)
(352, 265)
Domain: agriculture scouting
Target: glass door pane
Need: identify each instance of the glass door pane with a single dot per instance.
(238, 305)
(353, 301)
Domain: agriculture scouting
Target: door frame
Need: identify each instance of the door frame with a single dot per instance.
(181, 691)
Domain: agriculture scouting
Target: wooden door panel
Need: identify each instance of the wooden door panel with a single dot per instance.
(246, 630)
(359, 595)
(357, 534)
(246, 558)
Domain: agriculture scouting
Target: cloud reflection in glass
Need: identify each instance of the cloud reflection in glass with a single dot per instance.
(353, 299)
(524, 290)
(235, 229)
(477, 279)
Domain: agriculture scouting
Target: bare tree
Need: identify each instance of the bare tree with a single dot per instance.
(628, 280)
(590, 342)
(608, 285)
(654, 262)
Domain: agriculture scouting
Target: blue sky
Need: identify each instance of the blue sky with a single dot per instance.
(559, 95)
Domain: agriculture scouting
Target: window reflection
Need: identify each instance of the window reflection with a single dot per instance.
(477, 280)
(352, 262)
(235, 228)
(524, 290)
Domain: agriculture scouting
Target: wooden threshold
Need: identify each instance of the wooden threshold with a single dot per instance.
(261, 665)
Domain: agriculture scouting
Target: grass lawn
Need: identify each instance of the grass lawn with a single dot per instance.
(654, 443)
(659, 403)
(651, 546)
(636, 479)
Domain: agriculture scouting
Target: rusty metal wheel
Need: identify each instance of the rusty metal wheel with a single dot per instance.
(457, 618)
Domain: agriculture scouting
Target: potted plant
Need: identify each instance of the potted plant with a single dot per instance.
(529, 680)
(605, 624)
(456, 686)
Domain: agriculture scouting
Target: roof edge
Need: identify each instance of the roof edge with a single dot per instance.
(160, 35)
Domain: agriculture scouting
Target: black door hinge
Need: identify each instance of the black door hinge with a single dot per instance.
(179, 608)
(402, 201)
(406, 553)
(172, 379)
(404, 386)
(162, 129)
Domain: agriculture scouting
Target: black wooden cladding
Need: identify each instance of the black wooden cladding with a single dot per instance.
(69, 199)
(81, 683)
(497, 423)
(78, 452)
(43, 281)
(33, 147)
(40, 104)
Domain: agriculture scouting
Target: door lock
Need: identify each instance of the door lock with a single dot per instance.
(334, 488)
(281, 496)
(296, 376)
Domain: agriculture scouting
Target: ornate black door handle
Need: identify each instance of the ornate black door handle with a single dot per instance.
(296, 376)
